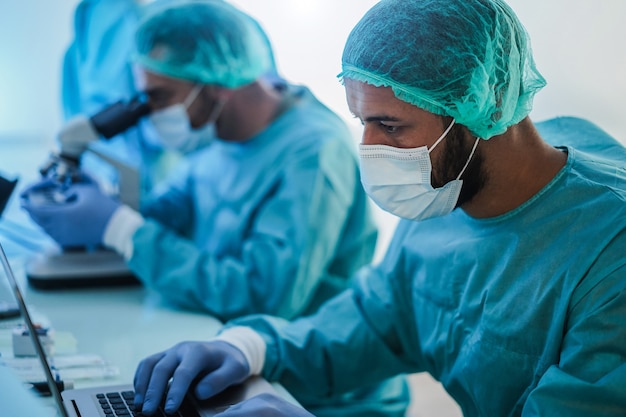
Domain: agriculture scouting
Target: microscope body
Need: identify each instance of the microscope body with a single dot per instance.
(79, 132)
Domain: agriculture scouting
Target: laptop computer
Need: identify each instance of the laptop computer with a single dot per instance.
(108, 401)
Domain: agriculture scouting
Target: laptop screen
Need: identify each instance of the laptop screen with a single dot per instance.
(32, 332)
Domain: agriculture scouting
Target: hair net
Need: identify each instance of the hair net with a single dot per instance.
(468, 59)
(205, 41)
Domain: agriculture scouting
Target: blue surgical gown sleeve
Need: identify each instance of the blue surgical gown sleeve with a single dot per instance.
(338, 362)
(362, 336)
(275, 225)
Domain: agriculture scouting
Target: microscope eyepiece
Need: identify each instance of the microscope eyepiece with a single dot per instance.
(120, 116)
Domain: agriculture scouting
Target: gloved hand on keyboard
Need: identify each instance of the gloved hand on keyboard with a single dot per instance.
(210, 366)
(73, 215)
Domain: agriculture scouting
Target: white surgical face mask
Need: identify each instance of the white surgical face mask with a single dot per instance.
(399, 180)
(174, 128)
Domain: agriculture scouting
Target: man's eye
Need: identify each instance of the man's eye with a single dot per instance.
(159, 101)
(389, 129)
(158, 98)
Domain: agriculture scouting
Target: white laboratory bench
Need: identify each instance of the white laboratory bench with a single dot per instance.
(122, 325)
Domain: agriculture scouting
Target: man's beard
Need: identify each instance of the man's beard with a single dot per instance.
(455, 153)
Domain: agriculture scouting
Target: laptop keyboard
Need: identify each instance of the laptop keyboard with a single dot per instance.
(114, 404)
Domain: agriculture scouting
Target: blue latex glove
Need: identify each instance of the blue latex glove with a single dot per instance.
(211, 366)
(73, 215)
(265, 405)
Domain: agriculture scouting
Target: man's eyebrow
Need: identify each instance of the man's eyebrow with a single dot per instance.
(381, 118)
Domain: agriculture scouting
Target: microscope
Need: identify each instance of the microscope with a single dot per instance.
(80, 267)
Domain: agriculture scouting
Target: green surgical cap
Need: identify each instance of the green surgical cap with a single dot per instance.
(467, 59)
(203, 41)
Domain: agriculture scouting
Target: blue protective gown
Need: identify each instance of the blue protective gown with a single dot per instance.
(97, 72)
(275, 224)
(518, 315)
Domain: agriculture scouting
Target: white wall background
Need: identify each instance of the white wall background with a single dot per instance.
(578, 47)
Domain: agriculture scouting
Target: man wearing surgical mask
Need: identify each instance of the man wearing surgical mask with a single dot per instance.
(266, 214)
(175, 129)
(98, 71)
(385, 170)
(506, 276)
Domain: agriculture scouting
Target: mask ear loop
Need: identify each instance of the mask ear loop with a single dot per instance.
(191, 97)
(469, 159)
(443, 135)
(217, 110)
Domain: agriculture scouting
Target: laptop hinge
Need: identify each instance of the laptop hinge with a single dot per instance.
(76, 408)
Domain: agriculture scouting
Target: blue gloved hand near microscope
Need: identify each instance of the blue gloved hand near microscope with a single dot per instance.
(74, 215)
(67, 203)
